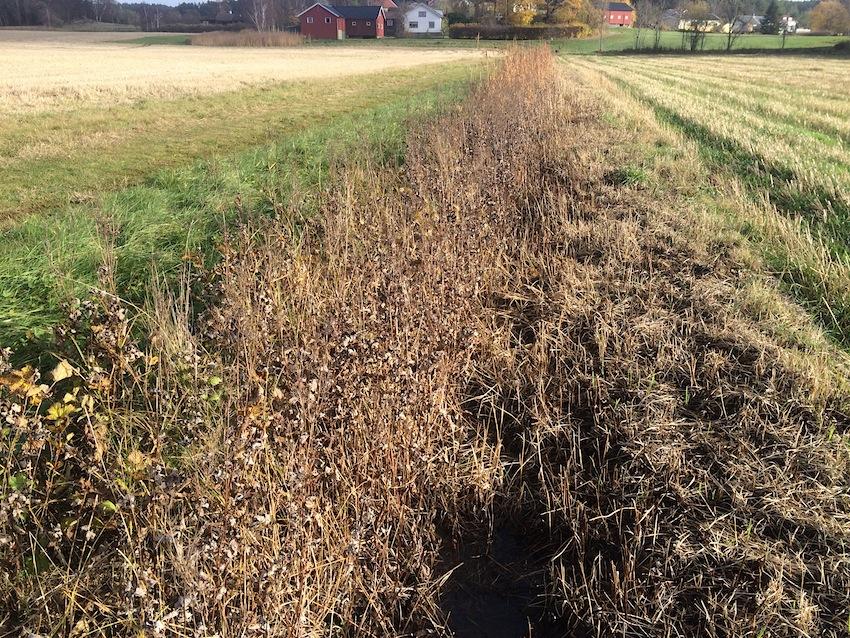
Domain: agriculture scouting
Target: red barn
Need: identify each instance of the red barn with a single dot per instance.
(619, 14)
(363, 21)
(322, 22)
(335, 22)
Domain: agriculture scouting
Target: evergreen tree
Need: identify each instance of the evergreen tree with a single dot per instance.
(770, 24)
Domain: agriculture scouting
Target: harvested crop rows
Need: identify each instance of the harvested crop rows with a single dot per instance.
(774, 135)
(789, 117)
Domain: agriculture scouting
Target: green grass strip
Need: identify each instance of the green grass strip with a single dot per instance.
(50, 258)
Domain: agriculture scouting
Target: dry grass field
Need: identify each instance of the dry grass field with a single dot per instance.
(49, 71)
(85, 119)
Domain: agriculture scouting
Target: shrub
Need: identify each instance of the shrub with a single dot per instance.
(521, 18)
(513, 32)
(455, 17)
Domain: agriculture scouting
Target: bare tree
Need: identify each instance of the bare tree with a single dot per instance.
(260, 14)
(697, 19)
(648, 17)
(729, 12)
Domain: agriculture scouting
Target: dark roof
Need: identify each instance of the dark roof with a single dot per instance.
(357, 12)
(326, 7)
(617, 6)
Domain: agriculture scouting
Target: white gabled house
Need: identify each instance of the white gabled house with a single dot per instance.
(420, 19)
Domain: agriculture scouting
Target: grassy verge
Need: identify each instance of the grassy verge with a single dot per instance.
(614, 41)
(178, 214)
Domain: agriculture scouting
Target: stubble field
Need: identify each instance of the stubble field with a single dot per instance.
(49, 71)
(771, 137)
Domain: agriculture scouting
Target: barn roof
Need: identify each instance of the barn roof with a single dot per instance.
(324, 6)
(358, 12)
(618, 6)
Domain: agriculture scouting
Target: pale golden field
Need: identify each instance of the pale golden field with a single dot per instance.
(50, 71)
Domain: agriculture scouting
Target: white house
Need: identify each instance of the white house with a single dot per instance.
(421, 19)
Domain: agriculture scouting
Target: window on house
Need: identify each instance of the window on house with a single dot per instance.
(421, 14)
(327, 20)
(309, 19)
(412, 25)
(390, 22)
(430, 25)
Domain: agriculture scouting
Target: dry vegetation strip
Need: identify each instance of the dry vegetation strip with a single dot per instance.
(248, 38)
(499, 334)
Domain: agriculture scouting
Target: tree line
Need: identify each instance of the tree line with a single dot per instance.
(831, 16)
(261, 14)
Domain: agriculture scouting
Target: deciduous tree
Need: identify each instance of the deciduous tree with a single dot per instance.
(648, 16)
(697, 16)
(576, 12)
(831, 16)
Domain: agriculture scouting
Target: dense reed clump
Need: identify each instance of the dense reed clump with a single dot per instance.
(248, 38)
(491, 333)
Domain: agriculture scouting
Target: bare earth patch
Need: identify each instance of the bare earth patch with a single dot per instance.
(47, 71)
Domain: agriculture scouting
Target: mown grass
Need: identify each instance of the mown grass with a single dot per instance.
(775, 172)
(153, 228)
(54, 159)
(615, 40)
(165, 38)
(624, 39)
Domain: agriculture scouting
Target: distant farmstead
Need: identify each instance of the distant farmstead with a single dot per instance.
(619, 14)
(337, 22)
(422, 19)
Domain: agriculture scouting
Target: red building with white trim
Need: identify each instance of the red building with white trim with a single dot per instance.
(619, 14)
(336, 22)
(322, 22)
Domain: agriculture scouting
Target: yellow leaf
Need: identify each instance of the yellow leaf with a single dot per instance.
(137, 460)
(63, 370)
(58, 411)
(19, 381)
